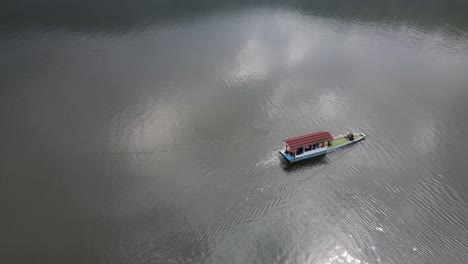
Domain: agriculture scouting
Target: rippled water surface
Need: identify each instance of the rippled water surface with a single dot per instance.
(148, 133)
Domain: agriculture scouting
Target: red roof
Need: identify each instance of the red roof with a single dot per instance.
(309, 139)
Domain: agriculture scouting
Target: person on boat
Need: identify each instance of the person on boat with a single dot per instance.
(288, 150)
(348, 136)
(299, 151)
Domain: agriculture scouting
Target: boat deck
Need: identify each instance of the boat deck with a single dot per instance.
(342, 140)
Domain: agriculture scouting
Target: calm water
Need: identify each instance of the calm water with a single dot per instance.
(147, 132)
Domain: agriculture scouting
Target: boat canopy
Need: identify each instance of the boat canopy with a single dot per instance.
(309, 139)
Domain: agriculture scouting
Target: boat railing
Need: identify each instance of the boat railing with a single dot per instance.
(306, 153)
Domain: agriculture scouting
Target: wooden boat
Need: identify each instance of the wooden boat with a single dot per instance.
(315, 144)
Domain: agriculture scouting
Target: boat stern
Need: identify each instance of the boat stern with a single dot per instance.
(288, 157)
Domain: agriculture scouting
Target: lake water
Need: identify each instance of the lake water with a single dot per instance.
(147, 132)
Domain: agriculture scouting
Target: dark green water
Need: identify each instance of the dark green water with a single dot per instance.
(147, 132)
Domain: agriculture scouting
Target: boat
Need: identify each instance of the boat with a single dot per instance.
(316, 144)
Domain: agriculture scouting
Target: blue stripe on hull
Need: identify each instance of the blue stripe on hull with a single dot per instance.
(292, 159)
